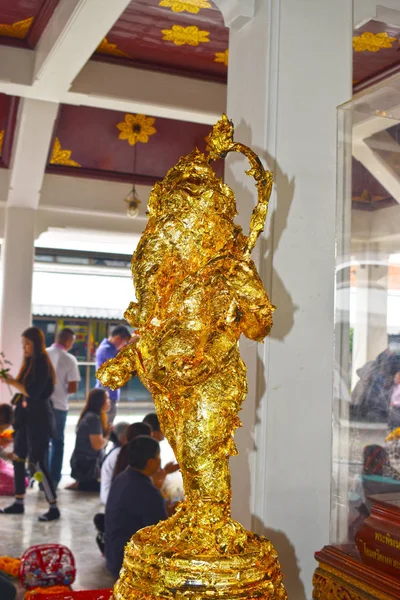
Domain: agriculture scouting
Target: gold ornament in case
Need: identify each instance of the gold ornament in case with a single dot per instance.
(197, 291)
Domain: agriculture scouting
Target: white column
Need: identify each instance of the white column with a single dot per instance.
(370, 327)
(17, 269)
(290, 67)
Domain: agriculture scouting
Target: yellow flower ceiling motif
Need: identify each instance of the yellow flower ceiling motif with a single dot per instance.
(17, 30)
(136, 128)
(222, 57)
(105, 47)
(62, 157)
(372, 42)
(190, 6)
(1, 140)
(192, 36)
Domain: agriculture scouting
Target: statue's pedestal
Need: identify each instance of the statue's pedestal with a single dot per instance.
(199, 556)
(342, 574)
(378, 539)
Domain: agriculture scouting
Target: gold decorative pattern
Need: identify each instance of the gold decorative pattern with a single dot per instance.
(197, 292)
(327, 589)
(222, 57)
(136, 128)
(360, 590)
(372, 42)
(192, 35)
(62, 157)
(17, 30)
(106, 47)
(1, 140)
(190, 6)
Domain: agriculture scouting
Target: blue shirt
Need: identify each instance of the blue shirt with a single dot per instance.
(104, 352)
(133, 503)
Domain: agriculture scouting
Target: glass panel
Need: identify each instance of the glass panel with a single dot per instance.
(366, 403)
(49, 327)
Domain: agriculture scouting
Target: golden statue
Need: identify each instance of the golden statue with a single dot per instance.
(197, 290)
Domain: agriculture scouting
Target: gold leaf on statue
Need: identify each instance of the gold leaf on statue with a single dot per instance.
(197, 291)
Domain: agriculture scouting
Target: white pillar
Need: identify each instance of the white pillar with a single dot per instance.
(370, 327)
(290, 67)
(17, 270)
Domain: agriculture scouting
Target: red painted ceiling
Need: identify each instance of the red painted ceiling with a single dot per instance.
(92, 137)
(23, 21)
(8, 111)
(137, 37)
(367, 192)
(138, 34)
(367, 64)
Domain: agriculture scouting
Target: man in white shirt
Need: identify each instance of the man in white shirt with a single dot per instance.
(67, 379)
(118, 436)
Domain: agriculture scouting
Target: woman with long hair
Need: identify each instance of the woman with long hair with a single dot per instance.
(34, 420)
(92, 434)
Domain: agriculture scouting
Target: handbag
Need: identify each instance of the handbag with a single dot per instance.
(47, 565)
(19, 411)
(84, 469)
(16, 398)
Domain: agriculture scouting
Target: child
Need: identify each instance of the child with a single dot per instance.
(6, 451)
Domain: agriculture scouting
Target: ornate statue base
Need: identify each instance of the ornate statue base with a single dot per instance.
(185, 558)
(342, 575)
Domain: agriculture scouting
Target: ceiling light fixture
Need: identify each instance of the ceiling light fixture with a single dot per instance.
(132, 199)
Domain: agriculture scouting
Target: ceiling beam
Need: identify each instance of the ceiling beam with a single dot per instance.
(72, 35)
(158, 94)
(117, 87)
(377, 167)
(35, 126)
(365, 10)
(236, 13)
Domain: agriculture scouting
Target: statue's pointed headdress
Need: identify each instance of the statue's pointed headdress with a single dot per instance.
(219, 144)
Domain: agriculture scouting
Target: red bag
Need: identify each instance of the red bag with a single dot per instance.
(47, 565)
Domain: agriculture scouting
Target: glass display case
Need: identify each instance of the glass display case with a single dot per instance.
(366, 403)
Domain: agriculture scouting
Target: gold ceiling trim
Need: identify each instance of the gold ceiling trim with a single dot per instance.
(136, 128)
(190, 6)
(106, 47)
(372, 42)
(181, 36)
(62, 157)
(222, 57)
(18, 30)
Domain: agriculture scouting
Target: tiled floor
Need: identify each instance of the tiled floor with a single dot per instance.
(75, 529)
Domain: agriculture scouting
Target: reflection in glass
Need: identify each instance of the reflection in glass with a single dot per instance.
(366, 404)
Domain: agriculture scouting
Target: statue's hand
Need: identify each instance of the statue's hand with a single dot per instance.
(116, 372)
(131, 314)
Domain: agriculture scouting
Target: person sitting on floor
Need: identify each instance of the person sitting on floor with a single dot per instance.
(122, 461)
(152, 420)
(8, 590)
(133, 431)
(6, 450)
(92, 433)
(133, 502)
(119, 438)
